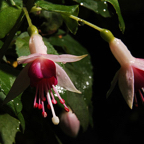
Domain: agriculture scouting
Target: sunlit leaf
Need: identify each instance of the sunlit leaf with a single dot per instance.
(8, 16)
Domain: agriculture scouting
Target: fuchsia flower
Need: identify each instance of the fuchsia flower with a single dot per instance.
(44, 74)
(69, 123)
(130, 76)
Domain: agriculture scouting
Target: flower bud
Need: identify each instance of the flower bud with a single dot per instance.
(69, 123)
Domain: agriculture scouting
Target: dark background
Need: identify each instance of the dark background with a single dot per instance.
(114, 121)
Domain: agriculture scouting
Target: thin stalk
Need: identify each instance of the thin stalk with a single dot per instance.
(86, 22)
(27, 16)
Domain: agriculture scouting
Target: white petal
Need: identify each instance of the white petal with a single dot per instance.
(113, 83)
(37, 45)
(126, 84)
(20, 84)
(121, 52)
(64, 58)
(64, 80)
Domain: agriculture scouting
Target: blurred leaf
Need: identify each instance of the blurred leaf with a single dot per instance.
(97, 6)
(7, 77)
(118, 11)
(9, 126)
(1, 43)
(65, 11)
(8, 16)
(51, 22)
(81, 74)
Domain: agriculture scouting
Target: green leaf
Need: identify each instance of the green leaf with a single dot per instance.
(14, 107)
(118, 11)
(101, 7)
(18, 3)
(81, 75)
(22, 45)
(98, 7)
(8, 16)
(65, 11)
(1, 43)
(9, 126)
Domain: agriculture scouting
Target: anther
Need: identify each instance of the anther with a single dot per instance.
(44, 114)
(48, 106)
(66, 109)
(39, 106)
(54, 101)
(36, 105)
(62, 101)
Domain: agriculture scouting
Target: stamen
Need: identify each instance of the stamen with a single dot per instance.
(48, 106)
(66, 109)
(39, 105)
(62, 101)
(44, 114)
(35, 103)
(135, 101)
(55, 118)
(53, 99)
(141, 96)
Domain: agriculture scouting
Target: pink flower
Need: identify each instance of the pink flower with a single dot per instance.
(44, 74)
(69, 123)
(130, 76)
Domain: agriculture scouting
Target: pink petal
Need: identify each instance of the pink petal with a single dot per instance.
(28, 59)
(20, 84)
(113, 83)
(139, 63)
(126, 84)
(64, 58)
(64, 80)
(56, 58)
(69, 123)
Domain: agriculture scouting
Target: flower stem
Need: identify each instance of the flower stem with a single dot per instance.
(86, 22)
(27, 16)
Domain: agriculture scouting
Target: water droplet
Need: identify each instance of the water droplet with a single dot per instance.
(90, 77)
(104, 10)
(81, 4)
(105, 2)
(17, 104)
(84, 87)
(87, 83)
(12, 100)
(17, 128)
